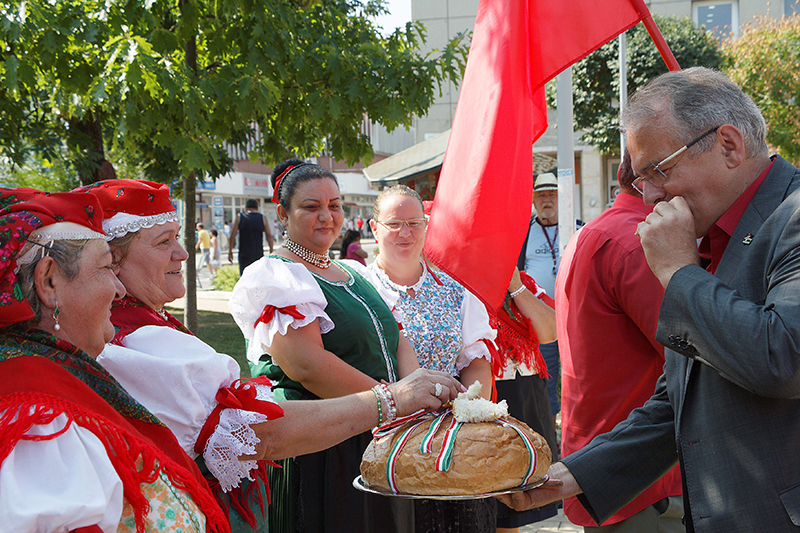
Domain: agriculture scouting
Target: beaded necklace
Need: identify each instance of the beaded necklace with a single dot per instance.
(318, 260)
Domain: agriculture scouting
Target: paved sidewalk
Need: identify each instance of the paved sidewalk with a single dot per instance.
(207, 300)
(557, 523)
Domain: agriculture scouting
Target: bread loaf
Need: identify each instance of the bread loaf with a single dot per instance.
(486, 457)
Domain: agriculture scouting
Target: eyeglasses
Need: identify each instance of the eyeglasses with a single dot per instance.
(654, 175)
(396, 225)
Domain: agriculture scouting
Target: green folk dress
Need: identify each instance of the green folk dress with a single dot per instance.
(314, 493)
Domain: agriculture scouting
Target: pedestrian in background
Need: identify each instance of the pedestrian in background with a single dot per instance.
(204, 245)
(251, 226)
(539, 258)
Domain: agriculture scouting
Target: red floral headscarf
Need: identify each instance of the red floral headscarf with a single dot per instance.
(30, 220)
(130, 205)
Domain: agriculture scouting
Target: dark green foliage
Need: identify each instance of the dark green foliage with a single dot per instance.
(158, 86)
(765, 62)
(595, 79)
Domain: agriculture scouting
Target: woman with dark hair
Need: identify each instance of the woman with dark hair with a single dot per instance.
(351, 247)
(318, 329)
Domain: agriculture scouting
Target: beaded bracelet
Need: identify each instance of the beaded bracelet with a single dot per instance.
(390, 403)
(518, 291)
(378, 396)
(385, 395)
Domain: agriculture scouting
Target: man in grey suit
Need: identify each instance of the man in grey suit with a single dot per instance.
(727, 407)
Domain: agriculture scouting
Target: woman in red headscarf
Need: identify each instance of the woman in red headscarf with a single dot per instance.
(195, 391)
(77, 452)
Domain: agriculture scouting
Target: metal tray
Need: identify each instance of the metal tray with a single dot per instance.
(359, 484)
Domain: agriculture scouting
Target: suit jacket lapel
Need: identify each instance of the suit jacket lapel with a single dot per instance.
(771, 193)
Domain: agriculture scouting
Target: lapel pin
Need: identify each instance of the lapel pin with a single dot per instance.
(747, 238)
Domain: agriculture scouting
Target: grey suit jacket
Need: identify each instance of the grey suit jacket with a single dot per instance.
(728, 404)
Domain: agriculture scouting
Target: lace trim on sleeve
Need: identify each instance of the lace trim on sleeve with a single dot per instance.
(232, 438)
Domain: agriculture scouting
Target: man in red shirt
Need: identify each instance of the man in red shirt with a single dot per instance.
(607, 303)
(360, 225)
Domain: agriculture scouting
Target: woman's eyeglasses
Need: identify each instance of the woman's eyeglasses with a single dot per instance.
(396, 225)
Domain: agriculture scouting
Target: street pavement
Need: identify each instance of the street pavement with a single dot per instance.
(557, 523)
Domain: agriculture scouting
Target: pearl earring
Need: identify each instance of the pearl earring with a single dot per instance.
(56, 312)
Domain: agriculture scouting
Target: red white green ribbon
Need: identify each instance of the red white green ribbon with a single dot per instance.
(387, 429)
(531, 450)
(393, 455)
(427, 440)
(446, 453)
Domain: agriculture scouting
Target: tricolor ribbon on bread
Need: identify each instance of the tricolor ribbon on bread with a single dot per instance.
(445, 453)
(531, 450)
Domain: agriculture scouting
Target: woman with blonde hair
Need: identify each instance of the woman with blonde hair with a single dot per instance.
(447, 326)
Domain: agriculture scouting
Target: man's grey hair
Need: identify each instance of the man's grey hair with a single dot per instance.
(699, 99)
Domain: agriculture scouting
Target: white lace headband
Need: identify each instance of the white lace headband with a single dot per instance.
(42, 239)
(123, 223)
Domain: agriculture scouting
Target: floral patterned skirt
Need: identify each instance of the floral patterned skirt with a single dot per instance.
(171, 509)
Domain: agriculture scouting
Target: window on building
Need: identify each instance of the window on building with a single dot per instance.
(790, 7)
(719, 17)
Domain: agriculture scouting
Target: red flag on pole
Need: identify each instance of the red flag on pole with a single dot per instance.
(483, 198)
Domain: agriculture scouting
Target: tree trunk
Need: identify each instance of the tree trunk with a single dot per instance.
(189, 185)
(190, 310)
(86, 140)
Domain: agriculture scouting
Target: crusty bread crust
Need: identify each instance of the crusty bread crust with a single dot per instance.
(488, 457)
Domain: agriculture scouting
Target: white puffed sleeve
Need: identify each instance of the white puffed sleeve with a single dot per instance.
(176, 376)
(59, 484)
(474, 329)
(280, 284)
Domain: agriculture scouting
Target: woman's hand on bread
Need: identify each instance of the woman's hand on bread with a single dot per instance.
(560, 485)
(419, 390)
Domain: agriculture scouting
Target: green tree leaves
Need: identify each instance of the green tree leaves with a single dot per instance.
(596, 78)
(765, 62)
(130, 81)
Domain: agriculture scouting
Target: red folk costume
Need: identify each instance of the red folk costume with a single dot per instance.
(195, 391)
(517, 340)
(76, 451)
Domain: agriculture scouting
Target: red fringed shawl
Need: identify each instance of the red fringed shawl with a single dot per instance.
(516, 338)
(45, 377)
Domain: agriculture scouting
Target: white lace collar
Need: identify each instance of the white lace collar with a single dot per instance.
(402, 288)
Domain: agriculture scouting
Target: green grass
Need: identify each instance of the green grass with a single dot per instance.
(221, 333)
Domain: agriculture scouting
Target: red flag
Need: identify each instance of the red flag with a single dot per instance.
(483, 198)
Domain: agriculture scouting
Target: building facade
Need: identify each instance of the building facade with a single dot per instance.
(219, 202)
(595, 173)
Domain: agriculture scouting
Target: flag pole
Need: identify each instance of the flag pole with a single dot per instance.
(566, 159)
(623, 87)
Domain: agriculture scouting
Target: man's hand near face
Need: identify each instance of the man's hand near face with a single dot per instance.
(668, 238)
